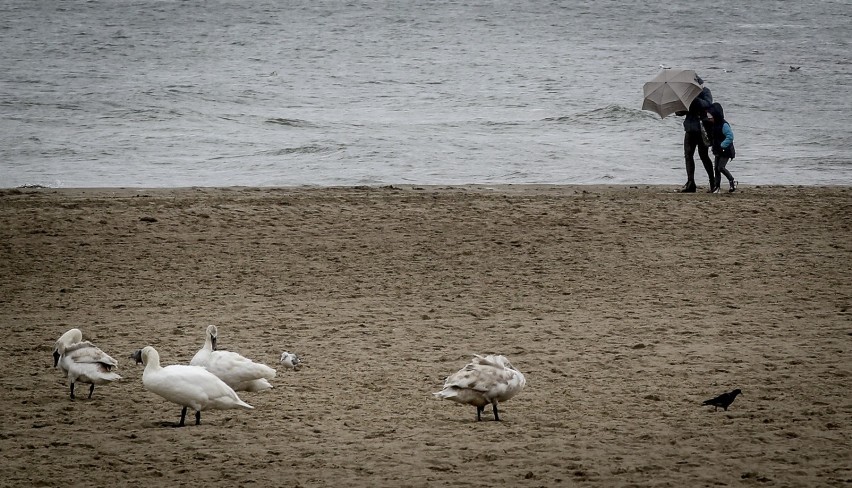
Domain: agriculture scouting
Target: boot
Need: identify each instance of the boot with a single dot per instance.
(689, 187)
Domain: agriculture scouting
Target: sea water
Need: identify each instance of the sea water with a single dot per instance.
(164, 93)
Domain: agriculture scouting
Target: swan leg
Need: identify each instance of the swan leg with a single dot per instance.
(479, 413)
(72, 390)
(91, 390)
(198, 417)
(182, 417)
(494, 407)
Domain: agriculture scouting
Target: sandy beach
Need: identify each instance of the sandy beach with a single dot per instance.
(624, 306)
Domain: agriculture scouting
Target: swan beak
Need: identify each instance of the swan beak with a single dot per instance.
(55, 358)
(213, 340)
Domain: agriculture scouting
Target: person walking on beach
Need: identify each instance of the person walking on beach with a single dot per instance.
(692, 139)
(722, 142)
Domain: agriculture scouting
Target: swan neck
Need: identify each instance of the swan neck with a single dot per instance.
(152, 360)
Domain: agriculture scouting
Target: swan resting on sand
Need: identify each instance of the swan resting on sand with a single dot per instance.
(83, 362)
(291, 360)
(486, 379)
(189, 386)
(240, 373)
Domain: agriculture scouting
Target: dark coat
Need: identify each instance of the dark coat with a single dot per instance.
(704, 100)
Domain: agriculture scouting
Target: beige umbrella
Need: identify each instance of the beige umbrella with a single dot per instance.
(672, 90)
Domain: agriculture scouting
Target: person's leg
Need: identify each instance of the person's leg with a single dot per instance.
(717, 178)
(723, 168)
(689, 144)
(708, 164)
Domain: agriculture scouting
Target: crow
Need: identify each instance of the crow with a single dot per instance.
(724, 400)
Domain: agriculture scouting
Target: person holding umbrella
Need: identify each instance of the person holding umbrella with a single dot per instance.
(682, 92)
(693, 140)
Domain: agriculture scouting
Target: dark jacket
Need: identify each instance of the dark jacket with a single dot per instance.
(704, 100)
(721, 135)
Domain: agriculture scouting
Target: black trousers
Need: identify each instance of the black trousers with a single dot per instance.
(721, 163)
(691, 141)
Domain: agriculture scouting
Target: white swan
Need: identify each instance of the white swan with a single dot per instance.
(238, 372)
(291, 360)
(189, 386)
(486, 379)
(83, 362)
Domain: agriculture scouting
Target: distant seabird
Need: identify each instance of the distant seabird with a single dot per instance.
(795, 68)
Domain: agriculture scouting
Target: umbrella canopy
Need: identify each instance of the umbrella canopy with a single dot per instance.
(672, 90)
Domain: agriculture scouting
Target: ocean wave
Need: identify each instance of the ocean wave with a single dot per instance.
(310, 149)
(288, 122)
(829, 139)
(615, 113)
(608, 114)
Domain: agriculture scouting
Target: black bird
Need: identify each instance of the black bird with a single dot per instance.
(724, 400)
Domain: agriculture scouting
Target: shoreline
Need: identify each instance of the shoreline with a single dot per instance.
(541, 189)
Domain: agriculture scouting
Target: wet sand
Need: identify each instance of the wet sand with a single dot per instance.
(625, 307)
